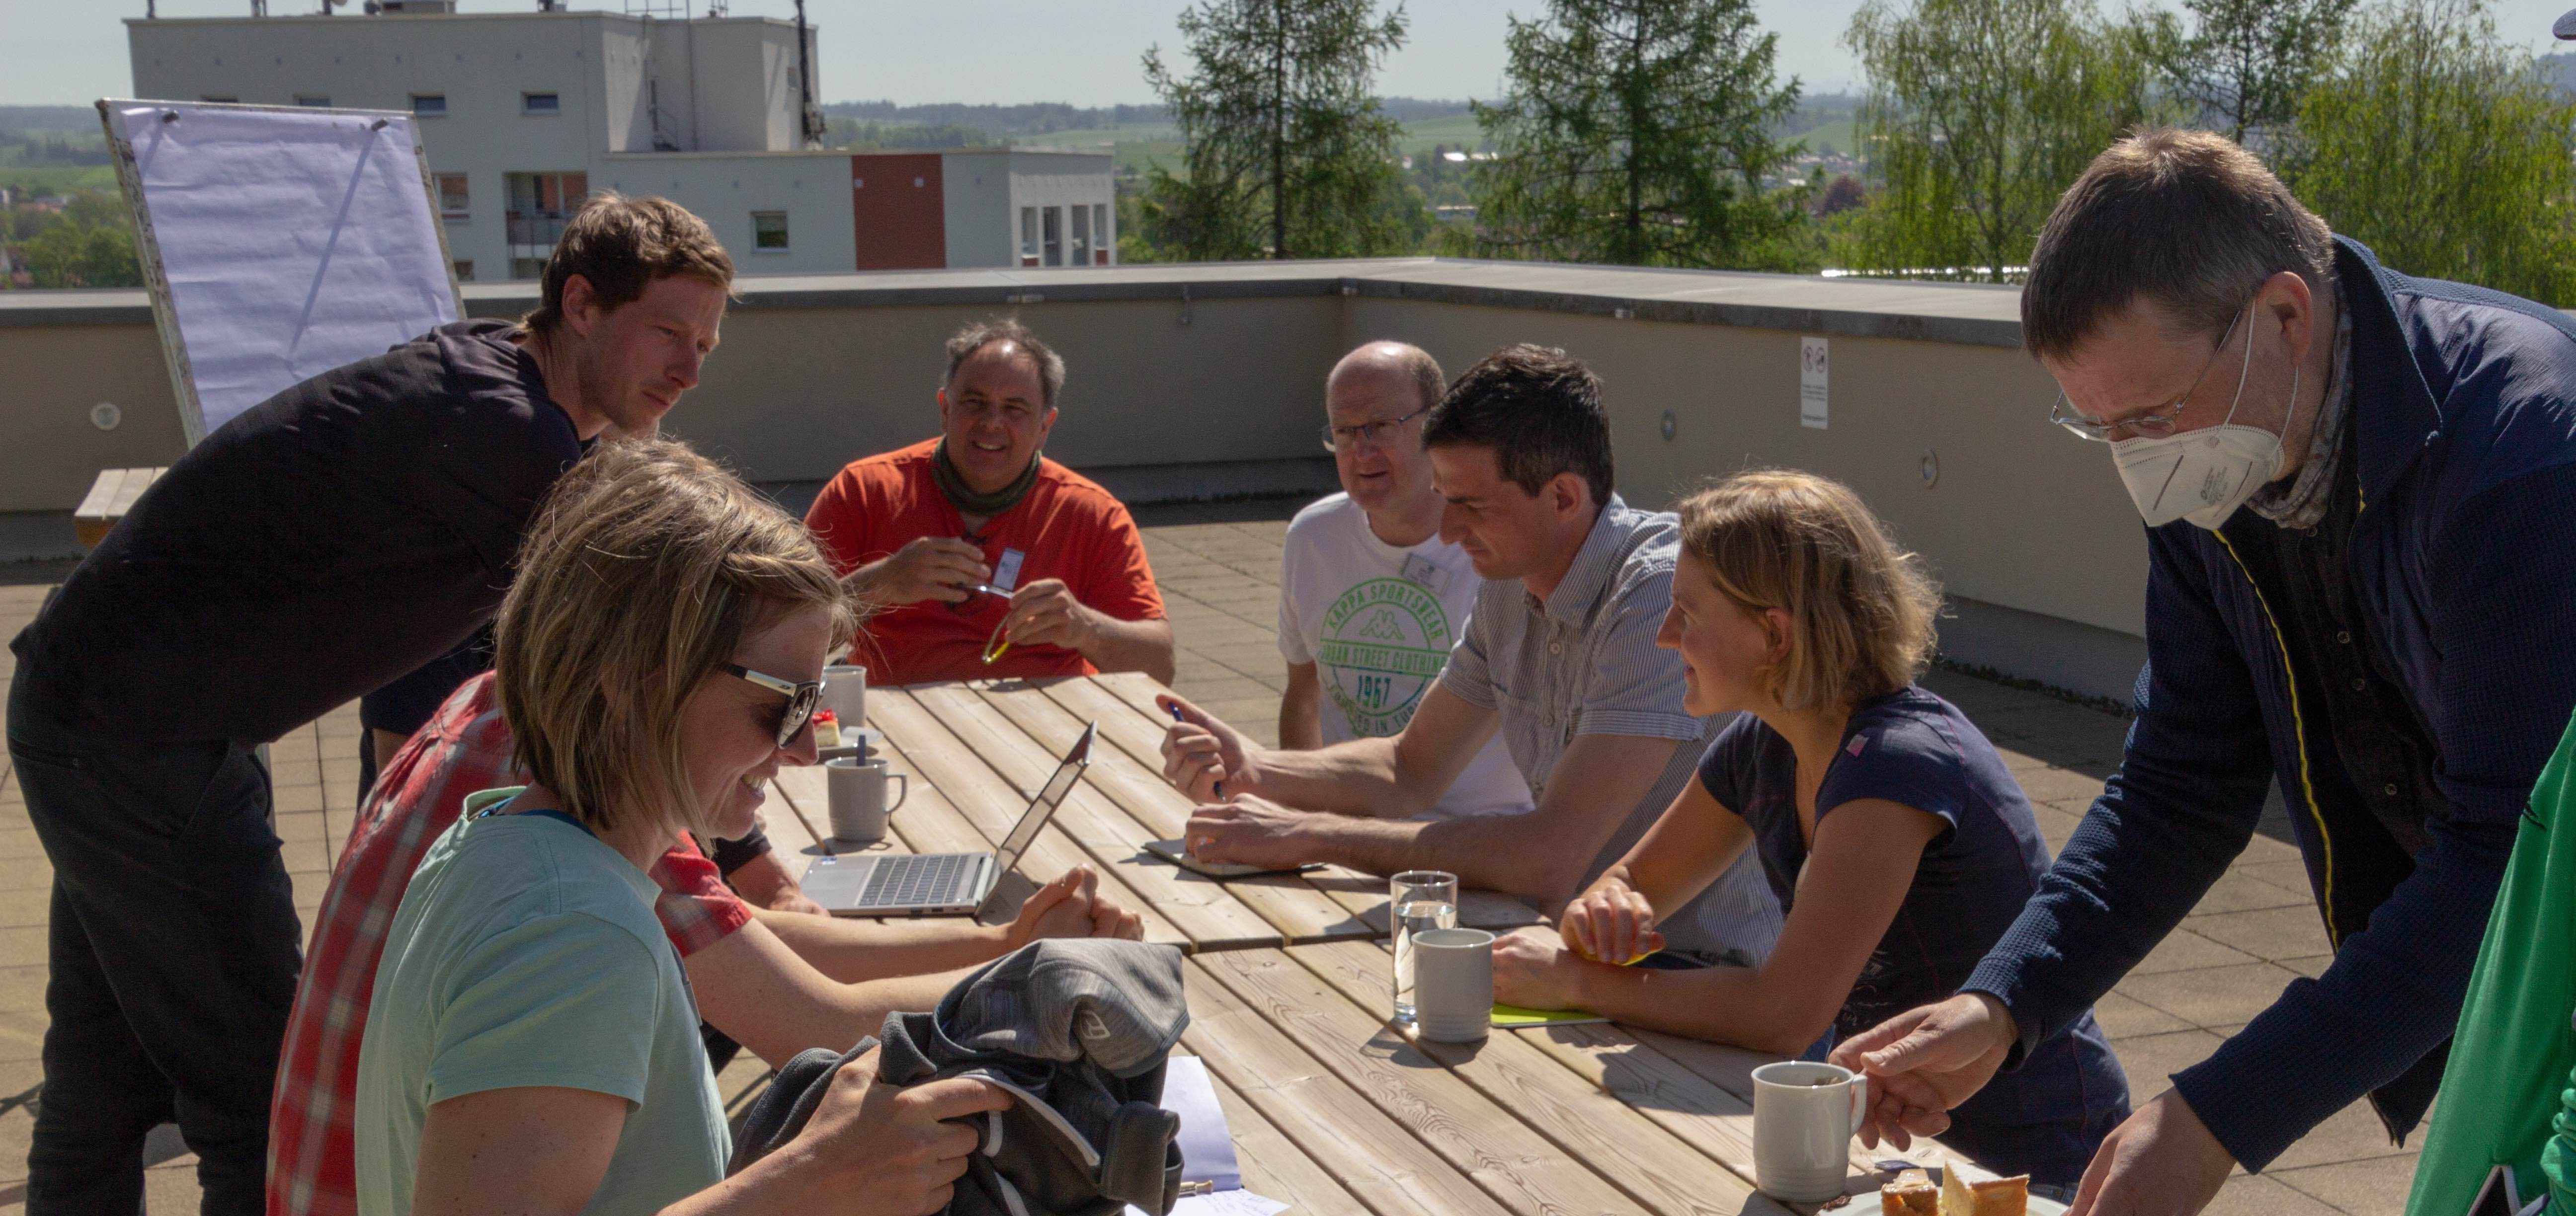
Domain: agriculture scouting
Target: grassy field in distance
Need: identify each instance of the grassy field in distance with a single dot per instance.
(58, 179)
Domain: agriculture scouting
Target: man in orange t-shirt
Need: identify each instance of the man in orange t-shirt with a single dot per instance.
(975, 540)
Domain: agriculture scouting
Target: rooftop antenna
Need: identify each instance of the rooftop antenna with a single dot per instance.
(811, 117)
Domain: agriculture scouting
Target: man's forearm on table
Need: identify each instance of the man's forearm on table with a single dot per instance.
(861, 951)
(1490, 852)
(1145, 646)
(1357, 777)
(2392, 993)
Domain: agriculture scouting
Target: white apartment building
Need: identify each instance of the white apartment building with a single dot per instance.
(524, 113)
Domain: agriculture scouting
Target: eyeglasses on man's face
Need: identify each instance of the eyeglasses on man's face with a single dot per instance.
(803, 696)
(2152, 424)
(1373, 434)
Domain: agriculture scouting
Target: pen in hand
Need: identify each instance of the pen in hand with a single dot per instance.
(1215, 787)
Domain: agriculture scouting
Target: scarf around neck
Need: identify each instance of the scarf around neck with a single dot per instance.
(953, 485)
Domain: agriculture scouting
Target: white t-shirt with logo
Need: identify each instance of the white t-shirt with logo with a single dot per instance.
(1378, 623)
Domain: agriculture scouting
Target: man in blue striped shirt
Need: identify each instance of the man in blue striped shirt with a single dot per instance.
(1559, 657)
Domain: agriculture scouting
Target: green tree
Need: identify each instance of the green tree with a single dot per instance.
(1977, 115)
(76, 254)
(2444, 148)
(1286, 151)
(2248, 61)
(1639, 132)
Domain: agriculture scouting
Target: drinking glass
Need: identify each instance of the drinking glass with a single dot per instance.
(1417, 900)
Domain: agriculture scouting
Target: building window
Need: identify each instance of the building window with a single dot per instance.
(1028, 236)
(1081, 247)
(1100, 234)
(464, 268)
(769, 231)
(539, 205)
(1054, 219)
(316, 100)
(540, 103)
(527, 268)
(429, 105)
(454, 201)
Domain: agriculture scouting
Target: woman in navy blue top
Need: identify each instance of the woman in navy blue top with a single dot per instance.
(1898, 843)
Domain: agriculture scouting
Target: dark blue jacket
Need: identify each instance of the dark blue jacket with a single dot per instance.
(2464, 560)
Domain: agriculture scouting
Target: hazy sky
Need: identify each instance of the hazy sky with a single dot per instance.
(73, 51)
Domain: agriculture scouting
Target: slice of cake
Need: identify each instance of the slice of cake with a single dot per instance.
(1911, 1194)
(1991, 1197)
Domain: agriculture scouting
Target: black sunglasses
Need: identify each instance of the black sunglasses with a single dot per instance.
(802, 698)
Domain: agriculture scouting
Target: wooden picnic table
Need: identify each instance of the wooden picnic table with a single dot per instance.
(1331, 1108)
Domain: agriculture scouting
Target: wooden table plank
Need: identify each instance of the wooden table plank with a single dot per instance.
(1665, 1169)
(1647, 1078)
(992, 805)
(1274, 1167)
(1210, 914)
(1293, 904)
(1489, 1143)
(1139, 733)
(1336, 1127)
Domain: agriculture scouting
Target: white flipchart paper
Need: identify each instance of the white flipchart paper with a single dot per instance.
(291, 242)
(1207, 1147)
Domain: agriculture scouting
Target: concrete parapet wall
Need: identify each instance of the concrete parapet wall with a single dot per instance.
(1200, 367)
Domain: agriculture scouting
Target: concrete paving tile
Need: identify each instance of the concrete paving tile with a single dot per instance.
(2153, 1058)
(19, 843)
(2209, 996)
(2284, 932)
(2259, 1195)
(26, 907)
(2056, 785)
(2374, 1186)
(2351, 1134)
(2124, 1017)
(291, 799)
(26, 874)
(2183, 949)
(2312, 966)
(2288, 873)
(22, 987)
(2238, 891)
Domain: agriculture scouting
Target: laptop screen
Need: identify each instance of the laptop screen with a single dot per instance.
(1042, 808)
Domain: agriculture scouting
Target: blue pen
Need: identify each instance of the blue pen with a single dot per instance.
(1217, 787)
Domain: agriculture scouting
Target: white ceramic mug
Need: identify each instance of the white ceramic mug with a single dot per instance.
(857, 793)
(845, 693)
(1453, 984)
(1804, 1117)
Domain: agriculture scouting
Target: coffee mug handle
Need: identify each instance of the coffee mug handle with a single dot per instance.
(903, 790)
(1860, 1102)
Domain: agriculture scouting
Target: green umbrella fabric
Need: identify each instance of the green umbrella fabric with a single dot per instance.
(2508, 1077)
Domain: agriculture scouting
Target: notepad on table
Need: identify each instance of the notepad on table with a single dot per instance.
(1513, 1017)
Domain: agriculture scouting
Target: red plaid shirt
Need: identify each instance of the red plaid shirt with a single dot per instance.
(312, 1146)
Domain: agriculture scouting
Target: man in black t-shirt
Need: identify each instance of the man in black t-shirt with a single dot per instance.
(340, 534)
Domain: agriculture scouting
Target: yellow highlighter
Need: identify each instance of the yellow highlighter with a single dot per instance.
(999, 644)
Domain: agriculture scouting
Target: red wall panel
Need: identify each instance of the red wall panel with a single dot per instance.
(898, 206)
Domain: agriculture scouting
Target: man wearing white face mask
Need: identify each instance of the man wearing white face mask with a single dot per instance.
(2360, 491)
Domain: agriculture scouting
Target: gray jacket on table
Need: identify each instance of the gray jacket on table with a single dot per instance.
(1078, 1030)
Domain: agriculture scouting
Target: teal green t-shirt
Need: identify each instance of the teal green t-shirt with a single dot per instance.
(526, 953)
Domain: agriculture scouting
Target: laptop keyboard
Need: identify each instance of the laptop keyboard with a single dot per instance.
(909, 880)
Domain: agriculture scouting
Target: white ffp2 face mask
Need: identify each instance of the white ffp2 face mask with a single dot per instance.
(2203, 475)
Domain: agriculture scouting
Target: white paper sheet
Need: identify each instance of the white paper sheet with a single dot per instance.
(292, 242)
(1207, 1148)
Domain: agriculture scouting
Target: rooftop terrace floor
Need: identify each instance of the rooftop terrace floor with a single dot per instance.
(1219, 569)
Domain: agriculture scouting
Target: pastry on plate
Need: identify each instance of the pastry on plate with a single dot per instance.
(1961, 1196)
(1911, 1194)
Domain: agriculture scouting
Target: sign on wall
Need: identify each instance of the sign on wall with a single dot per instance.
(1811, 382)
(278, 242)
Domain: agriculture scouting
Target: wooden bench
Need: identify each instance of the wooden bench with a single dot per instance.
(109, 498)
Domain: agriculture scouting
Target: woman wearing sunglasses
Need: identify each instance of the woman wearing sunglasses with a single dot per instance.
(532, 1045)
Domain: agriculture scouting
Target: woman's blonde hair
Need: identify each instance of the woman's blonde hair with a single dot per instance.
(1860, 609)
(646, 568)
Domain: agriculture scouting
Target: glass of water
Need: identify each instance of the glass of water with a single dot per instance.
(1417, 900)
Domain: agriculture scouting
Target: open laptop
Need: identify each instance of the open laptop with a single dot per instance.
(941, 884)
